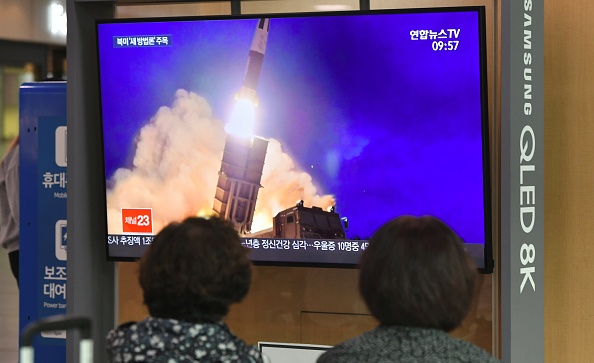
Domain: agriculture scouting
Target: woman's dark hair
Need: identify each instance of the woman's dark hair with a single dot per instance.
(416, 272)
(194, 270)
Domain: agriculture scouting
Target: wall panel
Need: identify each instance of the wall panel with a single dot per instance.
(569, 176)
(305, 305)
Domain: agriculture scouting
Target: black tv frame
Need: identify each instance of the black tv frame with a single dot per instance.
(488, 250)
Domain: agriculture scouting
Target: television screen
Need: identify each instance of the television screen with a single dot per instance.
(307, 131)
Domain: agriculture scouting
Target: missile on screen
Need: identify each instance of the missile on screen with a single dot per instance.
(244, 154)
(255, 60)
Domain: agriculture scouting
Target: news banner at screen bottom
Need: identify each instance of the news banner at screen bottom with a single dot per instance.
(337, 252)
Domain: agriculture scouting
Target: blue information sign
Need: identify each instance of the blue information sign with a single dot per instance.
(43, 161)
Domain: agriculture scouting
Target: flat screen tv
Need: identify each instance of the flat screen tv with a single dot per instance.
(308, 131)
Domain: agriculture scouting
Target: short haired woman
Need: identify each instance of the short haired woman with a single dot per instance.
(190, 275)
(417, 281)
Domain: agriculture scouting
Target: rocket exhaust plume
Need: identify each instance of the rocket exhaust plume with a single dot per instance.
(242, 120)
(175, 169)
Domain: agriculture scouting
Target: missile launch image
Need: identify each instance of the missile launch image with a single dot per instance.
(291, 126)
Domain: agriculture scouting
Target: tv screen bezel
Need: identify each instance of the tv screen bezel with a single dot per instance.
(488, 262)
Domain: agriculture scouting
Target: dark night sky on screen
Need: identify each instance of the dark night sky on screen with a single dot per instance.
(386, 124)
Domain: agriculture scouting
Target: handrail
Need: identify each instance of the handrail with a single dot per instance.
(58, 322)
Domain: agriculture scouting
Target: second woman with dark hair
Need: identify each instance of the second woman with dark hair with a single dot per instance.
(190, 275)
(417, 281)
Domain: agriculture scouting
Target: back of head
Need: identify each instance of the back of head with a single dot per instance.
(416, 272)
(194, 270)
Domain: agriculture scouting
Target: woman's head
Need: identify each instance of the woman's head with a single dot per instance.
(194, 270)
(416, 272)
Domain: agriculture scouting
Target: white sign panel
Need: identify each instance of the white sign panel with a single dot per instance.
(292, 353)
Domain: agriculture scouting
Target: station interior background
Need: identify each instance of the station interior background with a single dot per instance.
(41, 55)
(569, 131)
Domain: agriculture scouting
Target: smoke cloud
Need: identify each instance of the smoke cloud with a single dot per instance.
(176, 164)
